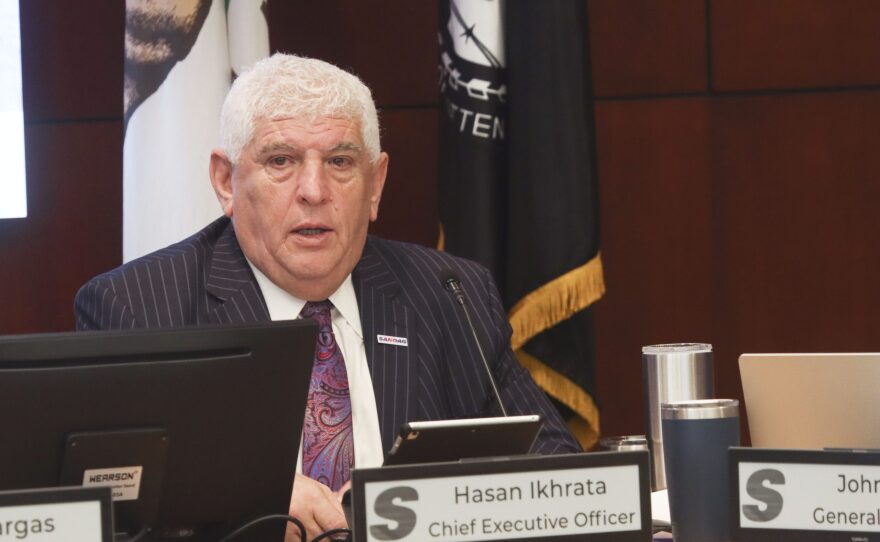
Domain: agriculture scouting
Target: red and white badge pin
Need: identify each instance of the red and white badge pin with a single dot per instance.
(389, 339)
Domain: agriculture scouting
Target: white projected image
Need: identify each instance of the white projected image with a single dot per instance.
(13, 202)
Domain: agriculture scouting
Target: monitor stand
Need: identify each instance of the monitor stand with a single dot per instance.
(131, 461)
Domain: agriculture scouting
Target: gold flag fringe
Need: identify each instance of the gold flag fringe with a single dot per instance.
(441, 237)
(556, 301)
(585, 427)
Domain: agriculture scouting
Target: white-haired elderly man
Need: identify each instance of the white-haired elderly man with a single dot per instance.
(299, 177)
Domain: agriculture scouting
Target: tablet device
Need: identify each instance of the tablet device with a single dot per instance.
(453, 440)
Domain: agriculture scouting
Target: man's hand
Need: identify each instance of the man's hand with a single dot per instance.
(316, 506)
(341, 491)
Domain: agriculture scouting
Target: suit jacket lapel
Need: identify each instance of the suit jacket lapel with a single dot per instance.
(393, 368)
(237, 297)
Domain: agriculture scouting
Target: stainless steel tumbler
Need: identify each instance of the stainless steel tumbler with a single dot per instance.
(672, 372)
(696, 439)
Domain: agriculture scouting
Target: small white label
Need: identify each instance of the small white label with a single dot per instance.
(56, 522)
(124, 481)
(388, 339)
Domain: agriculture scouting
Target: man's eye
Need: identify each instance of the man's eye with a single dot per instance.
(279, 161)
(340, 161)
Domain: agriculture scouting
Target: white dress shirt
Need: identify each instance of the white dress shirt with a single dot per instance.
(346, 321)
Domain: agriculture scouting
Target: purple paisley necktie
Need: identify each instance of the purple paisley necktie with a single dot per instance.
(328, 443)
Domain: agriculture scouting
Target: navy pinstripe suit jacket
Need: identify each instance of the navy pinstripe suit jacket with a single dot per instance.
(205, 279)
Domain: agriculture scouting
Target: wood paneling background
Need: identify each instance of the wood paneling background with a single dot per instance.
(736, 156)
(648, 46)
(736, 209)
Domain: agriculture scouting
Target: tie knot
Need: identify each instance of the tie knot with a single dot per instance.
(317, 309)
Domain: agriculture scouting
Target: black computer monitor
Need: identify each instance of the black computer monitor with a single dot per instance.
(212, 417)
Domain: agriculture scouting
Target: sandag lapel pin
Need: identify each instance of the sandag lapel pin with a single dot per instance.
(388, 339)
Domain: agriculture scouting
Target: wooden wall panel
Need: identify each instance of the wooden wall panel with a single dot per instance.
(647, 46)
(656, 224)
(73, 229)
(771, 44)
(409, 202)
(391, 45)
(797, 193)
(72, 59)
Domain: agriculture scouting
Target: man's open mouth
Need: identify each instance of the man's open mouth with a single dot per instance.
(311, 231)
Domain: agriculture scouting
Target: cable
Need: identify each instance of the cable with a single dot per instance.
(145, 530)
(333, 532)
(246, 526)
(142, 533)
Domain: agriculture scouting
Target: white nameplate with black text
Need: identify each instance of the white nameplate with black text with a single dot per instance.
(56, 515)
(805, 495)
(583, 496)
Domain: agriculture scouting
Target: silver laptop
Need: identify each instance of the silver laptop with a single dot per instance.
(812, 400)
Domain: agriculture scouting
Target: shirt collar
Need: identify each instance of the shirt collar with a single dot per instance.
(346, 303)
(284, 306)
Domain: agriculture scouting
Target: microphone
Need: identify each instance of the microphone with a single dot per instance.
(453, 285)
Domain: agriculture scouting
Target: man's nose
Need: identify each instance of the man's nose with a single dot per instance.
(311, 184)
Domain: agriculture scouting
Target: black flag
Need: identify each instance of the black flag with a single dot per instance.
(517, 179)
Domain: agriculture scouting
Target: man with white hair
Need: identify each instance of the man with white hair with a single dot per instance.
(299, 177)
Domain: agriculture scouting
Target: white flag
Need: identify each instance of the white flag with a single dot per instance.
(180, 57)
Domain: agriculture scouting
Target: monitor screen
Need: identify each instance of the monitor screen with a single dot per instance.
(196, 429)
(13, 198)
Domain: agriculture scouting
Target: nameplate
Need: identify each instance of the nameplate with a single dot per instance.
(57, 515)
(594, 497)
(805, 495)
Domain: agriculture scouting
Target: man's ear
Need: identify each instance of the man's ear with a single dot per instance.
(220, 170)
(380, 171)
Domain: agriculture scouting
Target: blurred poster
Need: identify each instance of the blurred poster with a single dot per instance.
(180, 58)
(13, 193)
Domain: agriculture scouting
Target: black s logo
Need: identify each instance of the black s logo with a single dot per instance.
(770, 497)
(386, 508)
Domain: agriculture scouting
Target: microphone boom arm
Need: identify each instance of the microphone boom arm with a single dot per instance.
(454, 286)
